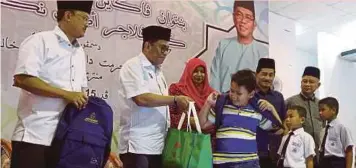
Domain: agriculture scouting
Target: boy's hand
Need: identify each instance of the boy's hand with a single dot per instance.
(265, 105)
(211, 100)
(118, 162)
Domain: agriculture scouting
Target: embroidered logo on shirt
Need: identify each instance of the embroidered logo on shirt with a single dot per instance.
(294, 150)
(296, 144)
(92, 119)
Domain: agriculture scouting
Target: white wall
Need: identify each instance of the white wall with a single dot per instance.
(338, 76)
(290, 60)
(282, 48)
(305, 59)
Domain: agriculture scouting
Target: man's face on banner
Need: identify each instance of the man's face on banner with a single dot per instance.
(244, 21)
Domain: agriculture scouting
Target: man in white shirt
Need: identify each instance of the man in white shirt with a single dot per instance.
(51, 73)
(143, 102)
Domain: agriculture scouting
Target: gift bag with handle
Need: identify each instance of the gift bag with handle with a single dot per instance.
(187, 148)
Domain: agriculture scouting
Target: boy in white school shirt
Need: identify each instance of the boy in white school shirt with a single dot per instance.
(297, 147)
(336, 149)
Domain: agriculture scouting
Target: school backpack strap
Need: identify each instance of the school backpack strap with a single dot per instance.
(219, 107)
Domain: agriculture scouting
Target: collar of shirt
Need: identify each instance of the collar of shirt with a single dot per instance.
(298, 131)
(334, 122)
(146, 63)
(62, 37)
(305, 98)
(247, 107)
(259, 91)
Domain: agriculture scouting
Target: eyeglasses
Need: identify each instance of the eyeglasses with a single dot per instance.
(164, 49)
(82, 17)
(240, 16)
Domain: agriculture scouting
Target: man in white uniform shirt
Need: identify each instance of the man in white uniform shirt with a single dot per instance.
(143, 102)
(51, 73)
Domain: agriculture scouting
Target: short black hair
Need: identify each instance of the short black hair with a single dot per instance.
(331, 102)
(301, 110)
(60, 13)
(245, 78)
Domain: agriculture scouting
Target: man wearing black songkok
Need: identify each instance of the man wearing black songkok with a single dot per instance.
(51, 73)
(143, 102)
(307, 99)
(267, 143)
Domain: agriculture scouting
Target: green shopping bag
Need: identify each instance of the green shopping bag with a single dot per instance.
(187, 149)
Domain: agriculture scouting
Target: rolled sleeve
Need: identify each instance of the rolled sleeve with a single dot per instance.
(132, 79)
(265, 124)
(346, 138)
(31, 56)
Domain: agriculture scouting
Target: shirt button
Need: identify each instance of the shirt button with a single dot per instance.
(72, 79)
(69, 45)
(72, 66)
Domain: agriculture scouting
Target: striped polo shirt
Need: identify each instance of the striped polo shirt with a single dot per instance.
(236, 136)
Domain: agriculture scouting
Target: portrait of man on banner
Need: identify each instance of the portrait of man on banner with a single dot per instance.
(239, 52)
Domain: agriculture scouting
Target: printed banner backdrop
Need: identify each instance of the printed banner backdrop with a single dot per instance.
(114, 36)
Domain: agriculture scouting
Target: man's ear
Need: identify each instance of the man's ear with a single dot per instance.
(147, 45)
(68, 15)
(303, 119)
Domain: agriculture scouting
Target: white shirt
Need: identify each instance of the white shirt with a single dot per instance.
(301, 145)
(52, 58)
(142, 129)
(338, 139)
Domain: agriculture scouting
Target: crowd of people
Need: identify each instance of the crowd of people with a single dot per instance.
(256, 126)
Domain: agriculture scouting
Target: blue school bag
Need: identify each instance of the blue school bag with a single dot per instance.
(83, 137)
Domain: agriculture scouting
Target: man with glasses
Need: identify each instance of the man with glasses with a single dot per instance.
(239, 52)
(143, 102)
(51, 73)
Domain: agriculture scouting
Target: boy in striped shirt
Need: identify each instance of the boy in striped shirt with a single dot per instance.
(236, 145)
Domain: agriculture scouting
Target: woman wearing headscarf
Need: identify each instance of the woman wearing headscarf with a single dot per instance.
(193, 83)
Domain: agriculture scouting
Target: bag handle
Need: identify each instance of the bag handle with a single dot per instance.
(182, 117)
(195, 116)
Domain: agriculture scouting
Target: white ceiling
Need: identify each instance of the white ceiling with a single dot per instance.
(315, 16)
